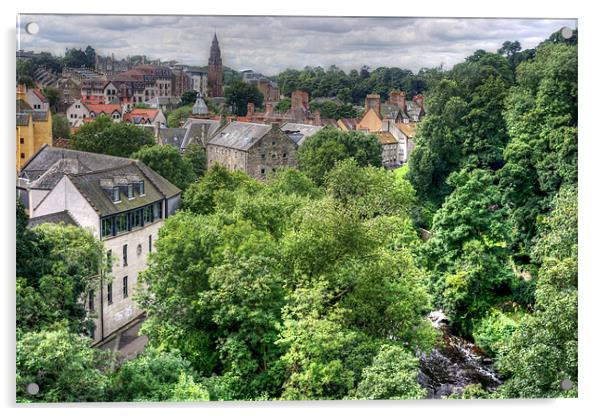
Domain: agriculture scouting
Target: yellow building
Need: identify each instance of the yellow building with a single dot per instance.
(34, 128)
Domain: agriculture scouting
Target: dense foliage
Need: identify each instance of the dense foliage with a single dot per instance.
(238, 94)
(353, 87)
(60, 127)
(315, 283)
(319, 153)
(116, 139)
(168, 162)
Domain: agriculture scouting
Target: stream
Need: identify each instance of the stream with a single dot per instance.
(454, 365)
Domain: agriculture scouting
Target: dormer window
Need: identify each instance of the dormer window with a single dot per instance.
(141, 188)
(130, 191)
(116, 194)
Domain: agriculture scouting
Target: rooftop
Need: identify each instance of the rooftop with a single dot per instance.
(239, 135)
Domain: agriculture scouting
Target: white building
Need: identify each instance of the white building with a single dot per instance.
(121, 201)
(79, 113)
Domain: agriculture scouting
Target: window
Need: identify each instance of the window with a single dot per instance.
(22, 155)
(106, 227)
(284, 155)
(157, 210)
(263, 156)
(150, 243)
(22, 140)
(110, 293)
(125, 287)
(147, 214)
(130, 191)
(116, 194)
(121, 223)
(263, 171)
(136, 218)
(91, 300)
(141, 188)
(110, 260)
(125, 255)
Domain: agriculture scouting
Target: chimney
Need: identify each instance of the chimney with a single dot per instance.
(398, 98)
(275, 126)
(269, 107)
(373, 101)
(251, 109)
(299, 99)
(157, 131)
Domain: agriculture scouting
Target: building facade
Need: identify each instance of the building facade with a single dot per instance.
(120, 201)
(33, 128)
(256, 149)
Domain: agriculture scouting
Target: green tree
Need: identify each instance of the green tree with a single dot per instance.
(63, 365)
(53, 96)
(175, 117)
(54, 286)
(115, 139)
(468, 252)
(238, 94)
(188, 98)
(283, 105)
(197, 156)
(541, 116)
(542, 351)
(169, 163)
(156, 376)
(60, 127)
(319, 153)
(392, 376)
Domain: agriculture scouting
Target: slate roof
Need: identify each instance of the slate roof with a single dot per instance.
(167, 188)
(47, 156)
(173, 136)
(350, 123)
(240, 136)
(62, 217)
(299, 132)
(389, 110)
(55, 173)
(22, 119)
(39, 115)
(90, 186)
(200, 131)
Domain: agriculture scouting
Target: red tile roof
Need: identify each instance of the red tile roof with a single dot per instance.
(40, 95)
(103, 108)
(146, 113)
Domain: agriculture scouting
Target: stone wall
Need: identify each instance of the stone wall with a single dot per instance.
(231, 159)
(273, 150)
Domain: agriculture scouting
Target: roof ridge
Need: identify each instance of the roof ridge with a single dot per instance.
(96, 171)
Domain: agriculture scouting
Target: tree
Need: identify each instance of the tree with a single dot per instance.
(199, 198)
(392, 376)
(238, 94)
(188, 98)
(509, 49)
(175, 117)
(156, 376)
(76, 58)
(468, 251)
(542, 351)
(541, 115)
(60, 127)
(319, 153)
(52, 286)
(283, 105)
(115, 139)
(196, 154)
(169, 163)
(53, 96)
(63, 365)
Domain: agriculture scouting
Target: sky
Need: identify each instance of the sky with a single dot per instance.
(272, 44)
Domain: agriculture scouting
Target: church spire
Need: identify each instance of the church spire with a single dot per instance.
(215, 76)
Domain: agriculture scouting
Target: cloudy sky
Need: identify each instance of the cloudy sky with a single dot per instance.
(272, 44)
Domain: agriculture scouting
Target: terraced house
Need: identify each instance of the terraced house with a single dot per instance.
(121, 201)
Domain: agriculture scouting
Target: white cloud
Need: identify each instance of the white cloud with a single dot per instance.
(272, 44)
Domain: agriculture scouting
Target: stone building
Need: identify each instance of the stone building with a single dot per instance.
(256, 149)
(121, 201)
(215, 71)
